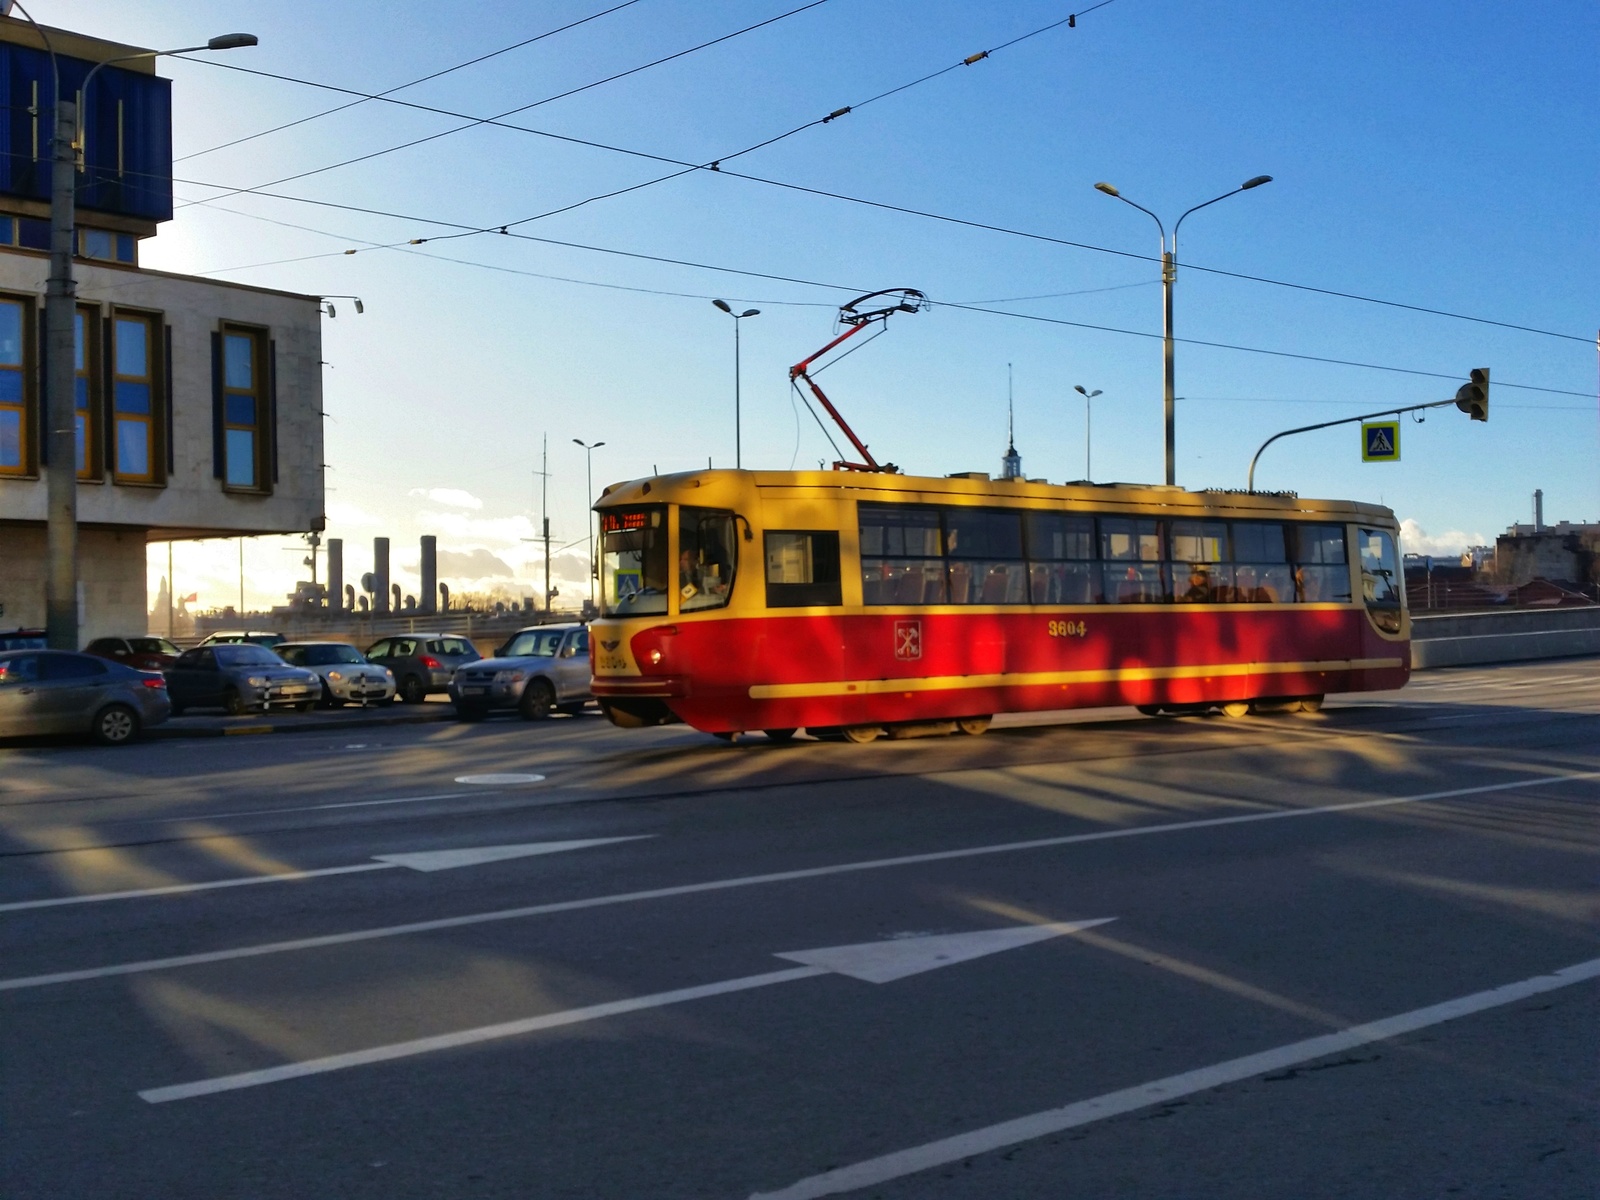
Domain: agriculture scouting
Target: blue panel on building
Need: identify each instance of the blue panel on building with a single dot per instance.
(127, 134)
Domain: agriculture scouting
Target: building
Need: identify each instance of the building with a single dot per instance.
(198, 402)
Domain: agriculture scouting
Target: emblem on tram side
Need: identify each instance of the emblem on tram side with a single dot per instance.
(908, 639)
(611, 645)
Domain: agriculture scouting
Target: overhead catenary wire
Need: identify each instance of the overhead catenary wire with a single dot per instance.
(461, 66)
(474, 122)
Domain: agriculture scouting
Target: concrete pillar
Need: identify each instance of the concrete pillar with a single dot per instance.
(335, 574)
(380, 575)
(430, 575)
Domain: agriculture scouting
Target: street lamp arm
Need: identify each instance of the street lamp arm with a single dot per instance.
(1146, 211)
(1243, 187)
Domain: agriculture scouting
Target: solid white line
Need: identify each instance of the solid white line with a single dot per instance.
(468, 1037)
(716, 885)
(1042, 1124)
(174, 889)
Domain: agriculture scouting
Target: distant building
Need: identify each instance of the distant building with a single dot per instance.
(199, 402)
(1566, 553)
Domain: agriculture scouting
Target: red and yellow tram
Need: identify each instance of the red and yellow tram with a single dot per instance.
(859, 603)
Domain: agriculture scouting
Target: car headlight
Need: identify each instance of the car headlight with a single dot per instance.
(334, 676)
(257, 681)
(388, 672)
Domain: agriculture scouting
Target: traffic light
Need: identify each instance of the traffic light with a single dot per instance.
(1473, 398)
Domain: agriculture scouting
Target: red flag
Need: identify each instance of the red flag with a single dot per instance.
(191, 598)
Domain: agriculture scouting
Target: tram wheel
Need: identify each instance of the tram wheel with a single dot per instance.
(780, 735)
(973, 726)
(1149, 710)
(1310, 704)
(1235, 708)
(726, 737)
(861, 734)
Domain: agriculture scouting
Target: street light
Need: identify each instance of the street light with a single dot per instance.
(61, 479)
(1087, 397)
(328, 304)
(738, 460)
(1169, 273)
(594, 566)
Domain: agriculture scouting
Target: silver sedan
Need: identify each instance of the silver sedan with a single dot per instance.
(347, 676)
(57, 691)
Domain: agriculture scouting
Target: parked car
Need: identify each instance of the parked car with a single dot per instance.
(141, 653)
(422, 662)
(347, 677)
(239, 678)
(23, 639)
(258, 637)
(541, 668)
(61, 691)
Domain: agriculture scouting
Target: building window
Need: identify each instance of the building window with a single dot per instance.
(134, 398)
(244, 409)
(106, 245)
(15, 433)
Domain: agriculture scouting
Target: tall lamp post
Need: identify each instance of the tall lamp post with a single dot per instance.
(738, 458)
(61, 471)
(594, 565)
(1169, 273)
(1088, 396)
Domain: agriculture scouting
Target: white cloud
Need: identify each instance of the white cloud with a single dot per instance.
(491, 532)
(1414, 539)
(449, 497)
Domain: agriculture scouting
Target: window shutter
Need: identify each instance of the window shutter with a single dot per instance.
(272, 406)
(41, 427)
(218, 467)
(108, 393)
(166, 399)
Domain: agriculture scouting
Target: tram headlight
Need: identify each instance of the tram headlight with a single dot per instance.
(655, 658)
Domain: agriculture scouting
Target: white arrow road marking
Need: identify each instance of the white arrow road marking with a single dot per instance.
(884, 962)
(874, 962)
(743, 881)
(1161, 1091)
(444, 860)
(427, 860)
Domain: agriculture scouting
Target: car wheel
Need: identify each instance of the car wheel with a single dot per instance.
(412, 691)
(233, 704)
(538, 698)
(305, 706)
(328, 700)
(115, 725)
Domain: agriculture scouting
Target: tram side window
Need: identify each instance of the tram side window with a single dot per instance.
(1380, 578)
(707, 553)
(1262, 574)
(1063, 567)
(1321, 570)
(1200, 571)
(802, 568)
(633, 564)
(985, 551)
(902, 555)
(1135, 567)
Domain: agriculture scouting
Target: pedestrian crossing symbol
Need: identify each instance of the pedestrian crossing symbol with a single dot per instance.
(1380, 441)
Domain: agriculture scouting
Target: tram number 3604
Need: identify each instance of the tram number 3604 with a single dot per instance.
(1065, 629)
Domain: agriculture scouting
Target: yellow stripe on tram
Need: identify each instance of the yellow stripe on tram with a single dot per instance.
(874, 687)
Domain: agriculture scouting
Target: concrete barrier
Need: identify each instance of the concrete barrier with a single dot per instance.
(1464, 639)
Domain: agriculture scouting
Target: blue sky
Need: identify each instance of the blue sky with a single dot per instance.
(1437, 155)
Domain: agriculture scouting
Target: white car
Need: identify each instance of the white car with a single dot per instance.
(347, 676)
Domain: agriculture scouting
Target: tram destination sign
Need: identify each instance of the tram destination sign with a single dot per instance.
(1380, 441)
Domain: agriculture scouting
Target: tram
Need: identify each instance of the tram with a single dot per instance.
(858, 603)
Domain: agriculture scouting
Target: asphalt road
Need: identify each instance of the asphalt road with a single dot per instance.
(1088, 955)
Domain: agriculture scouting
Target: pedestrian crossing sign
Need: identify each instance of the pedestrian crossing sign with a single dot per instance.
(1380, 441)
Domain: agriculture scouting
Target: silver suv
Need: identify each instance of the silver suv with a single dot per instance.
(542, 668)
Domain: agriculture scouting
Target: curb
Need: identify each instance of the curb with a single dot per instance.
(179, 727)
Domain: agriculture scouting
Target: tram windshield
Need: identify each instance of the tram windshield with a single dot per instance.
(1380, 578)
(633, 559)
